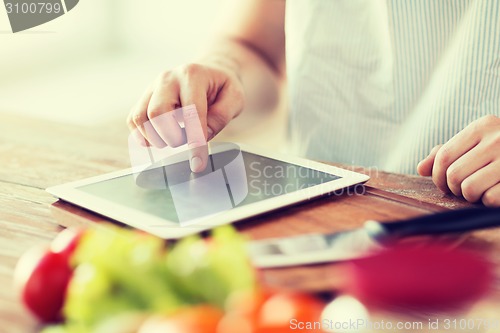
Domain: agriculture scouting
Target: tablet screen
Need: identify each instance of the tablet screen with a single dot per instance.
(152, 191)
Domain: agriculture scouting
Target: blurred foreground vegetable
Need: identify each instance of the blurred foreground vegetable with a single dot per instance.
(431, 278)
(42, 276)
(108, 279)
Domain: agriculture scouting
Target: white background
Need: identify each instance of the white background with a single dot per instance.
(90, 65)
(95, 61)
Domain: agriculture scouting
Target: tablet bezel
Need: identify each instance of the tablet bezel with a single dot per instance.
(172, 230)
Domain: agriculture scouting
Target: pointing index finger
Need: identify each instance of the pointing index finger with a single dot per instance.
(196, 138)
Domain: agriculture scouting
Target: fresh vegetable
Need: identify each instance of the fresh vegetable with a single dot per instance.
(108, 276)
(66, 242)
(267, 312)
(211, 271)
(41, 279)
(433, 277)
(195, 319)
(117, 270)
(43, 273)
(282, 312)
(243, 310)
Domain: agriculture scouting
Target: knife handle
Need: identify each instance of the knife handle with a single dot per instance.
(453, 221)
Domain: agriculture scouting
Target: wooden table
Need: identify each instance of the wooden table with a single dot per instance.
(36, 154)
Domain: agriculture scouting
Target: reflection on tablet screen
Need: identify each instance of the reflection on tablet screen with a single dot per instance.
(174, 193)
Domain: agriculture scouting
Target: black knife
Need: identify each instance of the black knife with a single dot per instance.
(352, 244)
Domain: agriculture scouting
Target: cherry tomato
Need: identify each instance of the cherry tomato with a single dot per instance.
(42, 276)
(265, 312)
(41, 279)
(196, 319)
(286, 312)
(237, 322)
(248, 303)
(242, 311)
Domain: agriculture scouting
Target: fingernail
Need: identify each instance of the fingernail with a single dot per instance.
(195, 164)
(210, 133)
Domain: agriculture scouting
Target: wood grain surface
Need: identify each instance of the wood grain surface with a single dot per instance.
(36, 154)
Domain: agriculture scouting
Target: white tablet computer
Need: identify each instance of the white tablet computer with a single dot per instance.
(168, 200)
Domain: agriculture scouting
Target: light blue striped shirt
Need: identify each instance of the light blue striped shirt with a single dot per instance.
(381, 82)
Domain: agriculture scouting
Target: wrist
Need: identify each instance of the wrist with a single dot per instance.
(226, 63)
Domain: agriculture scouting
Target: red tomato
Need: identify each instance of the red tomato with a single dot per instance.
(196, 319)
(243, 311)
(271, 313)
(289, 312)
(41, 278)
(236, 322)
(248, 303)
(432, 277)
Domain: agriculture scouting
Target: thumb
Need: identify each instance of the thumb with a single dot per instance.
(229, 104)
(424, 168)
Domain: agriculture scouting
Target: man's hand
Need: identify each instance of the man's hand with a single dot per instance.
(468, 164)
(216, 92)
(243, 68)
